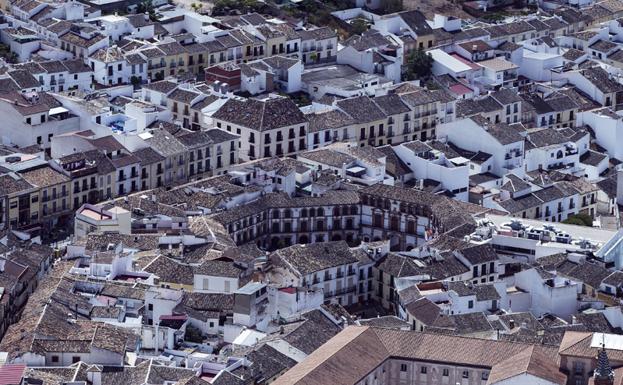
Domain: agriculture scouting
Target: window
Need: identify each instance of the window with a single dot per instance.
(55, 359)
(75, 359)
(150, 307)
(423, 370)
(485, 376)
(470, 304)
(465, 373)
(446, 372)
(403, 367)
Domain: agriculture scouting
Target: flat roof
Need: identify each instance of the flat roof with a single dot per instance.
(250, 288)
(576, 232)
(449, 61)
(498, 64)
(94, 214)
(608, 341)
(58, 110)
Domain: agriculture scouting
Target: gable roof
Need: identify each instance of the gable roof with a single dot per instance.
(261, 115)
(530, 361)
(349, 356)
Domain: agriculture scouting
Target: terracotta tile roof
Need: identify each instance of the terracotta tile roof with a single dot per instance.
(349, 356)
(530, 361)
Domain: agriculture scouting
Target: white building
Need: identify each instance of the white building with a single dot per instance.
(545, 293)
(608, 129)
(370, 53)
(34, 118)
(216, 277)
(361, 165)
(428, 164)
(90, 218)
(109, 66)
(275, 73)
(503, 142)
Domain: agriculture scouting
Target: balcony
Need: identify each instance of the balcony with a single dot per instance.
(509, 76)
(344, 290)
(156, 66)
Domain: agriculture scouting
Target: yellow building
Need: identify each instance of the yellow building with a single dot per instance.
(54, 196)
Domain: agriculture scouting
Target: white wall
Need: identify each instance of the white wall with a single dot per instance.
(213, 284)
(608, 131)
(523, 379)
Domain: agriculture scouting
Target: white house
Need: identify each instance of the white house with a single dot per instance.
(548, 294)
(109, 66)
(22, 41)
(361, 165)
(90, 218)
(551, 149)
(455, 66)
(497, 72)
(430, 164)
(608, 129)
(373, 53)
(275, 73)
(503, 142)
(537, 66)
(216, 277)
(34, 118)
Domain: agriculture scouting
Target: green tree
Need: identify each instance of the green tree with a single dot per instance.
(224, 7)
(579, 219)
(135, 81)
(196, 7)
(359, 26)
(193, 334)
(419, 65)
(392, 6)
